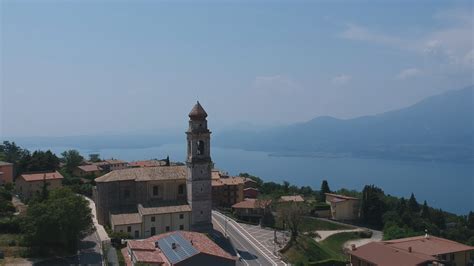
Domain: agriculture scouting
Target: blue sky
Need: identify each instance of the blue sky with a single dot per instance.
(99, 67)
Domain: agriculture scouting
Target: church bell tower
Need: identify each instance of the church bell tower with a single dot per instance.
(199, 164)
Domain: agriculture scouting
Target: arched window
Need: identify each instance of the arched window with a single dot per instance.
(200, 147)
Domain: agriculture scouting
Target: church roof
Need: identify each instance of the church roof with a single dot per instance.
(145, 174)
(197, 112)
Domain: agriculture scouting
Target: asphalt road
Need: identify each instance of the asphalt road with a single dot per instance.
(249, 250)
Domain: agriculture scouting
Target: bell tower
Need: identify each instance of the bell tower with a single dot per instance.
(199, 166)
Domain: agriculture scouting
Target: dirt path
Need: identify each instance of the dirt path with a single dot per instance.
(323, 234)
(376, 236)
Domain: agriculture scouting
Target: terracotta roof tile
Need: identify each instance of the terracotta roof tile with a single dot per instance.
(341, 196)
(149, 210)
(145, 174)
(41, 176)
(295, 198)
(125, 218)
(251, 204)
(430, 245)
(89, 168)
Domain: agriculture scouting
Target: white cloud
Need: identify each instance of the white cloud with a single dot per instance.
(409, 73)
(451, 44)
(276, 83)
(341, 79)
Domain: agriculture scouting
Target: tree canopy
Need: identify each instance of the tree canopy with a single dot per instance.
(58, 222)
(72, 159)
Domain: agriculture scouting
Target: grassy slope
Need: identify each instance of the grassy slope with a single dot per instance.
(306, 249)
(312, 224)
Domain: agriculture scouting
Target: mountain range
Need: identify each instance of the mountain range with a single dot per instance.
(440, 127)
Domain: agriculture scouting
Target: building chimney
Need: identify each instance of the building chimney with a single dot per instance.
(409, 249)
(353, 247)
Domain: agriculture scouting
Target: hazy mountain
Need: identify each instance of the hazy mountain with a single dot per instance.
(440, 127)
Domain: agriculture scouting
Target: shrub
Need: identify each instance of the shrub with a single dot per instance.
(10, 225)
(365, 234)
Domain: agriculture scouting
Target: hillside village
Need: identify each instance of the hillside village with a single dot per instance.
(160, 212)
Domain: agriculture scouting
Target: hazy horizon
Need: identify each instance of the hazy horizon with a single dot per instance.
(84, 68)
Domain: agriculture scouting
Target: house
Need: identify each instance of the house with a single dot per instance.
(28, 184)
(176, 249)
(250, 189)
(111, 165)
(251, 209)
(226, 190)
(343, 207)
(295, 198)
(147, 163)
(145, 201)
(87, 170)
(420, 250)
(6, 172)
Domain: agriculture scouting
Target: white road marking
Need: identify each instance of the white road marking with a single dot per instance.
(237, 241)
(250, 241)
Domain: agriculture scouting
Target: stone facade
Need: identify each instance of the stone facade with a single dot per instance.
(199, 166)
(169, 188)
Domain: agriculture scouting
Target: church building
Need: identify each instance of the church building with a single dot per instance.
(147, 201)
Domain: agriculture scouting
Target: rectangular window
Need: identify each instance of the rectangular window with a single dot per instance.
(167, 229)
(181, 216)
(129, 229)
(137, 234)
(153, 218)
(181, 189)
(153, 231)
(181, 227)
(155, 190)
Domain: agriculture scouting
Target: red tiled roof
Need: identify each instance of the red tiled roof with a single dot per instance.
(229, 181)
(141, 245)
(251, 204)
(199, 241)
(89, 168)
(146, 163)
(42, 176)
(295, 198)
(379, 253)
(429, 245)
(148, 256)
(341, 196)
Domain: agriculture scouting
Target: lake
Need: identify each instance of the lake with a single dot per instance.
(449, 186)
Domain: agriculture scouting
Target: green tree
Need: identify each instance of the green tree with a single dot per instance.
(94, 157)
(425, 211)
(40, 161)
(372, 206)
(292, 215)
(413, 205)
(59, 222)
(324, 189)
(402, 206)
(72, 159)
(470, 220)
(11, 152)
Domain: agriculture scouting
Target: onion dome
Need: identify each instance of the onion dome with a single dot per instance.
(197, 113)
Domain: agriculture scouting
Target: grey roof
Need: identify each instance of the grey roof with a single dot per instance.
(5, 163)
(125, 218)
(150, 210)
(145, 174)
(176, 248)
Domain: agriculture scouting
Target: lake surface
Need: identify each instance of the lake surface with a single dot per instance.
(449, 186)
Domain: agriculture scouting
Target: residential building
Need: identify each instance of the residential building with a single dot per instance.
(147, 163)
(294, 198)
(162, 198)
(28, 184)
(250, 189)
(343, 207)
(251, 209)
(226, 190)
(177, 248)
(421, 250)
(111, 165)
(87, 170)
(6, 172)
